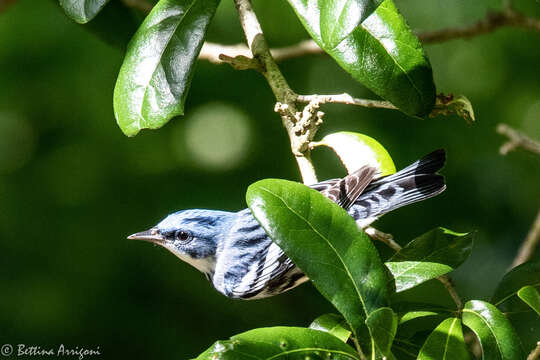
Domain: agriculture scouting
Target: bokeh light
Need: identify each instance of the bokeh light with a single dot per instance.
(216, 136)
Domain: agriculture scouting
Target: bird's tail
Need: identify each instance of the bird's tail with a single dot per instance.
(416, 182)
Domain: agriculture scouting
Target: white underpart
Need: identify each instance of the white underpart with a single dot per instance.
(205, 265)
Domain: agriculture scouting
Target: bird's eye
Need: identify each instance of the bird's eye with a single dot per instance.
(183, 235)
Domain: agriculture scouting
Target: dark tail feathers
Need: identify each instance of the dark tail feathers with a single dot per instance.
(416, 182)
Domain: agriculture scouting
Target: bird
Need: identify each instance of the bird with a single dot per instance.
(241, 261)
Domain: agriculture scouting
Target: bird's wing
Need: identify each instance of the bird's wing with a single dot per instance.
(324, 185)
(345, 191)
(272, 265)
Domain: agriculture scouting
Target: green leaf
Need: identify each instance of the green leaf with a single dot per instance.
(381, 52)
(382, 325)
(356, 150)
(497, 337)
(324, 241)
(280, 343)
(154, 79)
(430, 255)
(531, 297)
(526, 274)
(338, 18)
(82, 11)
(333, 324)
(414, 321)
(445, 343)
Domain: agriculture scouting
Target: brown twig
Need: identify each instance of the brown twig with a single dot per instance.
(346, 99)
(517, 140)
(491, 22)
(526, 250)
(535, 353)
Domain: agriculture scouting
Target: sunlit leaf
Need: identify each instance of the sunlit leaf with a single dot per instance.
(531, 297)
(381, 52)
(430, 255)
(154, 79)
(324, 241)
(526, 274)
(333, 324)
(280, 343)
(356, 150)
(445, 343)
(82, 11)
(497, 337)
(338, 18)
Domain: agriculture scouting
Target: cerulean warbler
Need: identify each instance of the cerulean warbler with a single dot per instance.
(241, 261)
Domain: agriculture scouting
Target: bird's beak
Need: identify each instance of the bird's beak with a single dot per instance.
(151, 235)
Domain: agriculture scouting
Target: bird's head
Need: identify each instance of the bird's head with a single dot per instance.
(191, 235)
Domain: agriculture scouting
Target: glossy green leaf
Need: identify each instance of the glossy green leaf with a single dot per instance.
(356, 150)
(497, 337)
(382, 325)
(412, 322)
(338, 18)
(324, 241)
(280, 343)
(381, 52)
(82, 11)
(526, 274)
(154, 79)
(333, 324)
(445, 343)
(531, 297)
(430, 255)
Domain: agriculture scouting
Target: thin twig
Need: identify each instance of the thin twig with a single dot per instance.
(526, 250)
(451, 288)
(378, 235)
(517, 140)
(535, 353)
(346, 99)
(491, 22)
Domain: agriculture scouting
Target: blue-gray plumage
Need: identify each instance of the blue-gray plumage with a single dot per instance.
(241, 261)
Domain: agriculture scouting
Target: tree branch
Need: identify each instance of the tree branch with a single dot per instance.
(508, 17)
(517, 140)
(301, 126)
(346, 99)
(491, 22)
(526, 250)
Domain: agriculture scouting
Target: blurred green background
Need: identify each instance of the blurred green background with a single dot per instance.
(72, 187)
